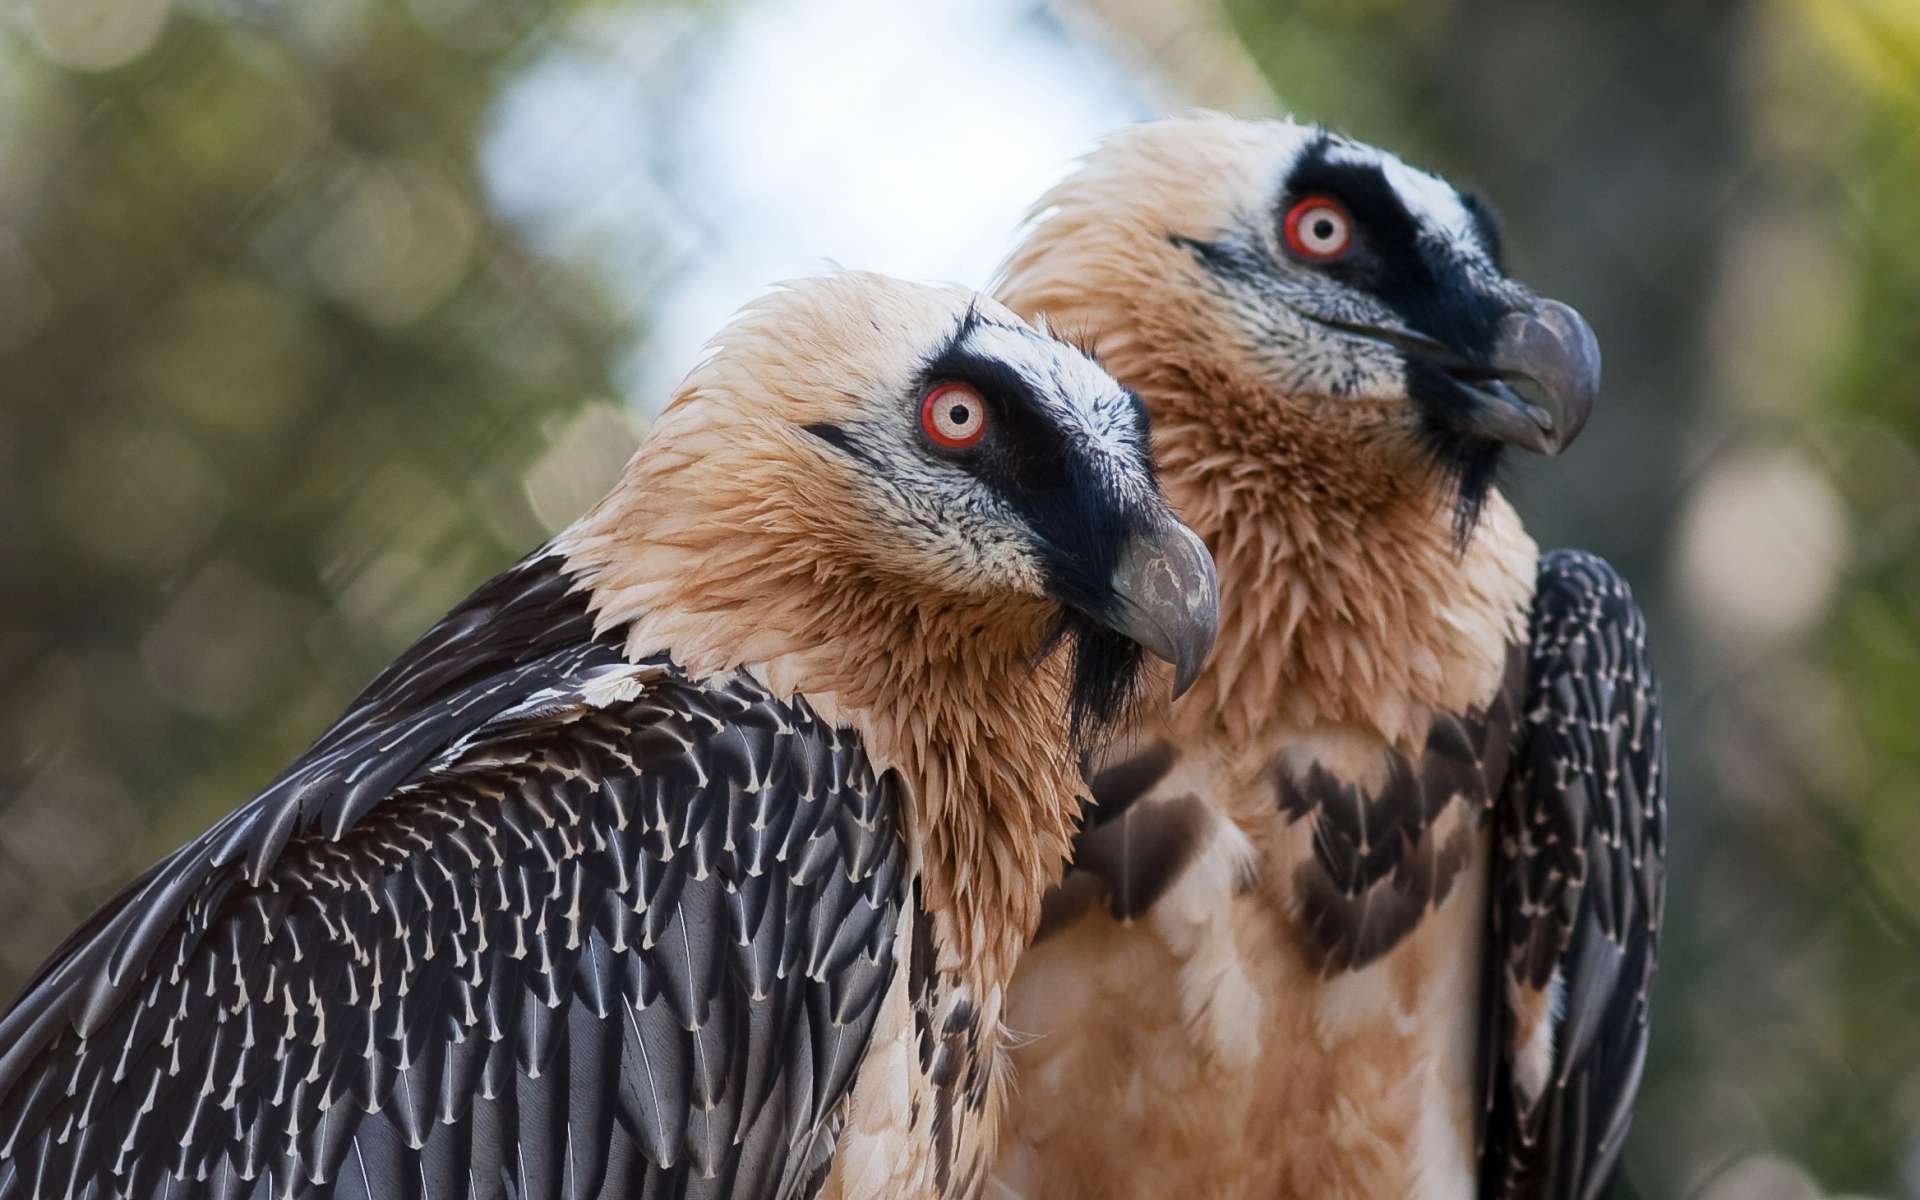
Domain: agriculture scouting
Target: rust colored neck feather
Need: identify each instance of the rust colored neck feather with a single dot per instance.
(1343, 599)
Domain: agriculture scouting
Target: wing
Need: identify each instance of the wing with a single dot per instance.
(1578, 890)
(605, 931)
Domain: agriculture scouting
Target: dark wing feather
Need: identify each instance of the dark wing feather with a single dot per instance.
(1578, 891)
(531, 921)
(1133, 844)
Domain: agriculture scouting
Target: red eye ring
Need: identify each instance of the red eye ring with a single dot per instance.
(1317, 228)
(954, 416)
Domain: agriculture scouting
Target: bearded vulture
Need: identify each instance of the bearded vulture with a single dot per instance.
(690, 856)
(1371, 913)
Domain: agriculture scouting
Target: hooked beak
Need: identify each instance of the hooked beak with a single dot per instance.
(1166, 597)
(1552, 348)
(1547, 347)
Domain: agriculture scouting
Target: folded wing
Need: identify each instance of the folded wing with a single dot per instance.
(1578, 892)
(531, 920)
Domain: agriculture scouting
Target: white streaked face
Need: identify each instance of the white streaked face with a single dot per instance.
(1333, 271)
(1000, 457)
(1335, 235)
(1008, 462)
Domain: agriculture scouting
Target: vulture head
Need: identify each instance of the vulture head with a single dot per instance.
(920, 462)
(1314, 279)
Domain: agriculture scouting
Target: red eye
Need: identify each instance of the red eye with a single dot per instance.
(954, 416)
(1318, 229)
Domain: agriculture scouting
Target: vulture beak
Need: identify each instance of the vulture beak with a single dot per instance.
(1547, 348)
(1166, 597)
(1552, 349)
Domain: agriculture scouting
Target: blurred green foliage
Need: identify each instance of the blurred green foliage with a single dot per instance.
(271, 374)
(1862, 1096)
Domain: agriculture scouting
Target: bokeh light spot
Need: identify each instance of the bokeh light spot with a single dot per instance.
(135, 495)
(397, 245)
(580, 464)
(226, 639)
(1761, 545)
(1762, 1177)
(97, 35)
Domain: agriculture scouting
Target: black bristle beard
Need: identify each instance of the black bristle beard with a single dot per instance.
(1470, 468)
(1107, 668)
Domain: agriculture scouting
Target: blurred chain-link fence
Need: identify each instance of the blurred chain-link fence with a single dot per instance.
(312, 316)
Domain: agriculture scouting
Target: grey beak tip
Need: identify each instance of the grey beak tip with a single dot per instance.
(1169, 598)
(1184, 674)
(1553, 346)
(1204, 622)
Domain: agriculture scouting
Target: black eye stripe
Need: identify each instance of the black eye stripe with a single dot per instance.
(1024, 434)
(1373, 207)
(1421, 282)
(1486, 225)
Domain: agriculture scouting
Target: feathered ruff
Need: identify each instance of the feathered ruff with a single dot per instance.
(755, 565)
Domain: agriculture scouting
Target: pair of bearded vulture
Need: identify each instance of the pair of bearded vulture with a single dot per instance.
(732, 843)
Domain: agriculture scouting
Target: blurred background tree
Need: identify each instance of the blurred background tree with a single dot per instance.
(314, 315)
(272, 371)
